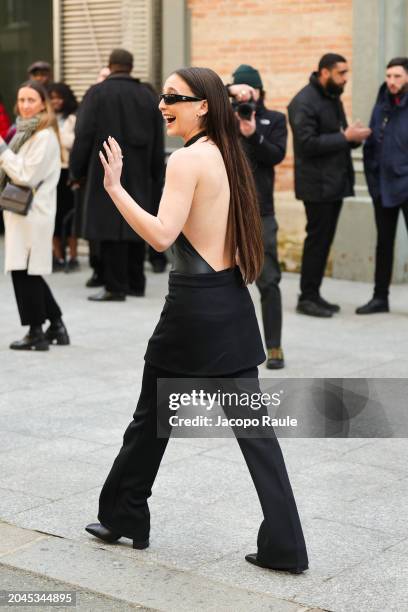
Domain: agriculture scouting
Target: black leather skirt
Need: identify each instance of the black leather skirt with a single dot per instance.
(207, 327)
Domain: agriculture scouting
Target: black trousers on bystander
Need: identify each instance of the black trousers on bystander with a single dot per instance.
(386, 220)
(321, 226)
(35, 301)
(123, 266)
(268, 284)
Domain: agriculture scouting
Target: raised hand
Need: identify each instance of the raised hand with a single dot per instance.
(112, 164)
(242, 93)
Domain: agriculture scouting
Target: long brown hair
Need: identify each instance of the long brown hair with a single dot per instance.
(244, 235)
(48, 118)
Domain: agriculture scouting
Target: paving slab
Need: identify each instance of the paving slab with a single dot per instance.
(203, 478)
(401, 547)
(13, 502)
(65, 518)
(336, 552)
(14, 440)
(50, 450)
(379, 583)
(12, 538)
(63, 424)
(344, 480)
(12, 579)
(384, 511)
(391, 453)
(51, 480)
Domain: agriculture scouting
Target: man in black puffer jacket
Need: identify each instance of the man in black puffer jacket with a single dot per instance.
(264, 136)
(324, 173)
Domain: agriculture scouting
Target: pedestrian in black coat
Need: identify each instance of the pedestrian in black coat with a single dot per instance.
(125, 108)
(264, 137)
(386, 170)
(324, 174)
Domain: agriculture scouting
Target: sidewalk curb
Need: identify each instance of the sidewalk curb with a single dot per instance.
(131, 580)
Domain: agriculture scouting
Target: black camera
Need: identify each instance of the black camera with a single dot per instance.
(244, 109)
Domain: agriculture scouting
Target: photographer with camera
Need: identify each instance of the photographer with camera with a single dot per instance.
(263, 135)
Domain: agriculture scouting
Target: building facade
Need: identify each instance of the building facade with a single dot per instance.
(76, 37)
(283, 39)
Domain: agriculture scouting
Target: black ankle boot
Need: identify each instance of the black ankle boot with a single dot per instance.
(57, 333)
(106, 535)
(34, 340)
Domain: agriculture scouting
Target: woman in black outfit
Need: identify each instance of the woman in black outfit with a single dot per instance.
(65, 105)
(208, 326)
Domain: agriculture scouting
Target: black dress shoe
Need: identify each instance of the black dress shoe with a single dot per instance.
(106, 535)
(313, 309)
(275, 359)
(57, 333)
(94, 281)
(136, 292)
(373, 306)
(252, 558)
(107, 296)
(34, 340)
(326, 304)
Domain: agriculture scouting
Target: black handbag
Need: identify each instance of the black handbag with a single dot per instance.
(16, 198)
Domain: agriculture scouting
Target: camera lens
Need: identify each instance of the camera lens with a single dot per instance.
(245, 110)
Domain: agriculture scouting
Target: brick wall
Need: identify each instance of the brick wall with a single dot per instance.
(283, 39)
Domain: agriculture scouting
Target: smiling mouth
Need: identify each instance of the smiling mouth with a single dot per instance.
(169, 119)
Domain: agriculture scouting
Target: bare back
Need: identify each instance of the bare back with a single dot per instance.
(206, 224)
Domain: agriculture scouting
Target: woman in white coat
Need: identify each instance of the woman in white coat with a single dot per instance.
(33, 158)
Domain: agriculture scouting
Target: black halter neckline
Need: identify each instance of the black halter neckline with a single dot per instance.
(195, 138)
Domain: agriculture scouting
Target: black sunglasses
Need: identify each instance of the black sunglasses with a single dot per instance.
(170, 99)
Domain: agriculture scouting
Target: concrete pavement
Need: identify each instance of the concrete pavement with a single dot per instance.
(62, 417)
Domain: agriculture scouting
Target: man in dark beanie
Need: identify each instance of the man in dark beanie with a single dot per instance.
(123, 107)
(324, 174)
(264, 137)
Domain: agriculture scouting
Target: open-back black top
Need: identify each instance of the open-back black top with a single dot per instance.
(186, 260)
(208, 325)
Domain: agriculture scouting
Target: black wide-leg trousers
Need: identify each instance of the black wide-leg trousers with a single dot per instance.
(123, 506)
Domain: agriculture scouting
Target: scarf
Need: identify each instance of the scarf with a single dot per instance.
(25, 128)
